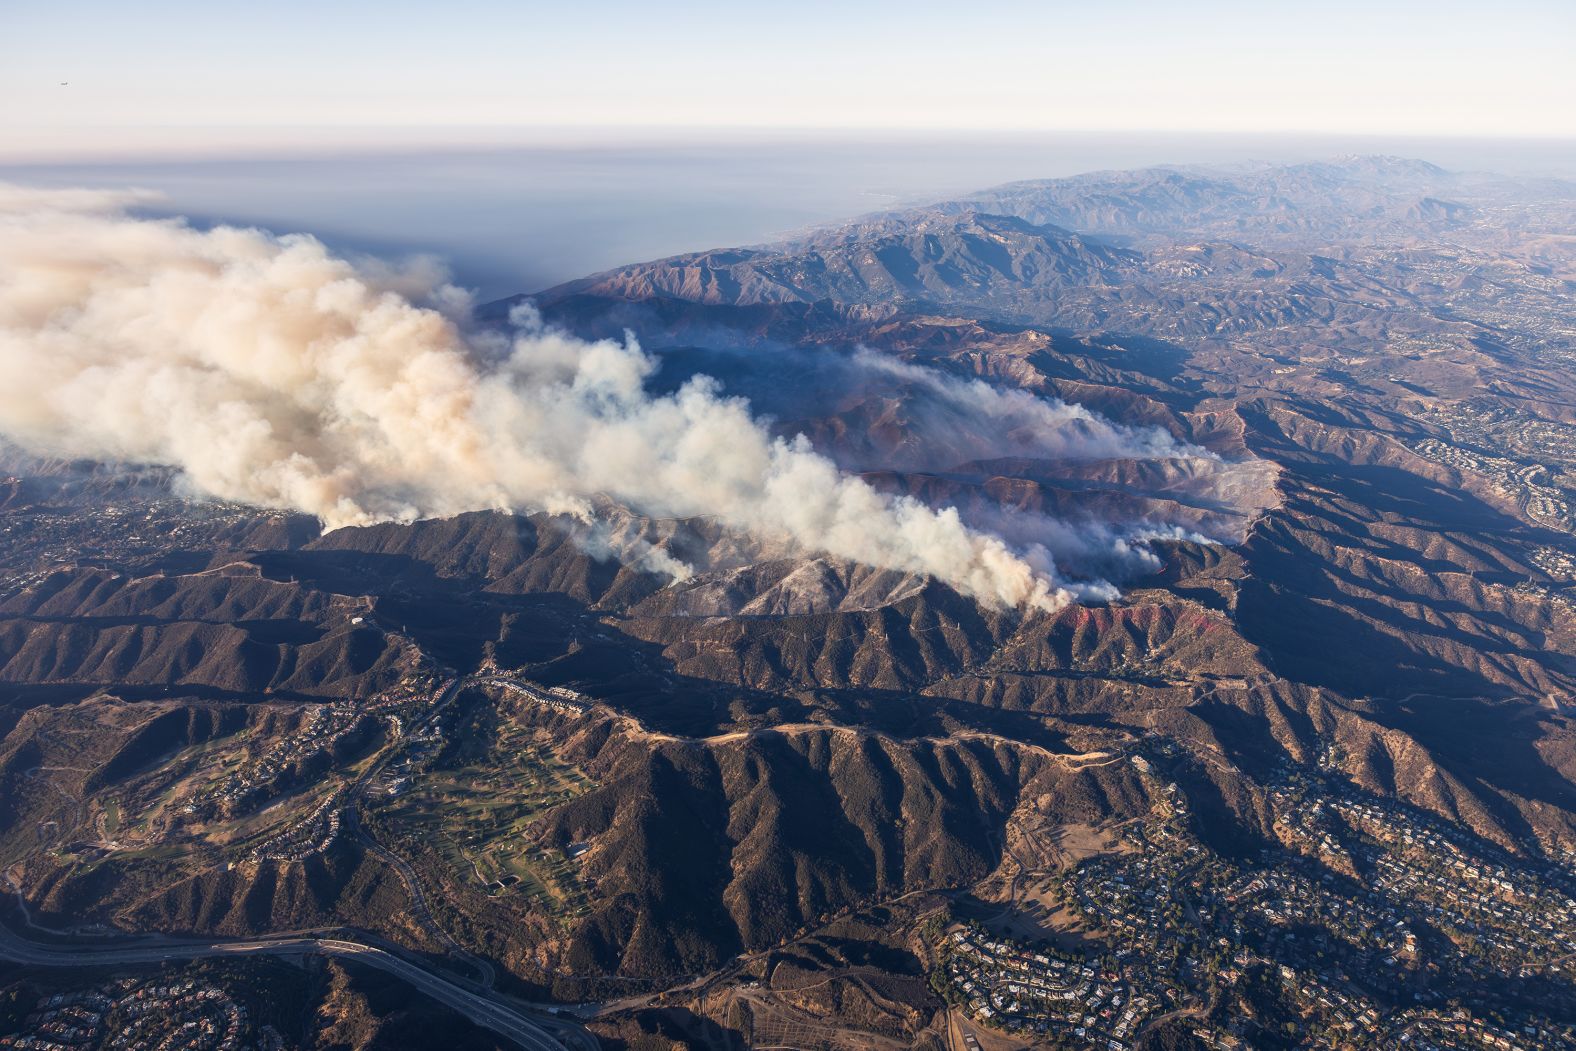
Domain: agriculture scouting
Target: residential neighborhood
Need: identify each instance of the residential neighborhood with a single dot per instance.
(1374, 925)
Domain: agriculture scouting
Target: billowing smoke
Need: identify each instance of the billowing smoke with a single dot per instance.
(963, 420)
(271, 372)
(970, 419)
(873, 412)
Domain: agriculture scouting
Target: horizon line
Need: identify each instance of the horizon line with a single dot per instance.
(50, 145)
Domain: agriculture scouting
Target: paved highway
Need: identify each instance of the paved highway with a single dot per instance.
(479, 1009)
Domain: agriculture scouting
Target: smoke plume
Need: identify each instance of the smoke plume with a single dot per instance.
(271, 372)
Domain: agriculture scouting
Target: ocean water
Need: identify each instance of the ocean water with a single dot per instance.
(519, 218)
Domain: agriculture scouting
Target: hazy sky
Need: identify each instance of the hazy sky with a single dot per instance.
(1434, 68)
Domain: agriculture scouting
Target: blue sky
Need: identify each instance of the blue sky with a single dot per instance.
(1439, 68)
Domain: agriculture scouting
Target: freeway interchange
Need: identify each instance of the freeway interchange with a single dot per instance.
(485, 1009)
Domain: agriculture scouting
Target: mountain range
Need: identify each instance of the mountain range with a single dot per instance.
(1355, 515)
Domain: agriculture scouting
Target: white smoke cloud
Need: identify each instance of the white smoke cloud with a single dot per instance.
(988, 421)
(272, 372)
(964, 420)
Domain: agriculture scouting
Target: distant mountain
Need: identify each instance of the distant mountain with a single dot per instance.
(928, 256)
(1290, 254)
(1351, 197)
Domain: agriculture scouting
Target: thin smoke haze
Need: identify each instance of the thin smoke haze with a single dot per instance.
(269, 371)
